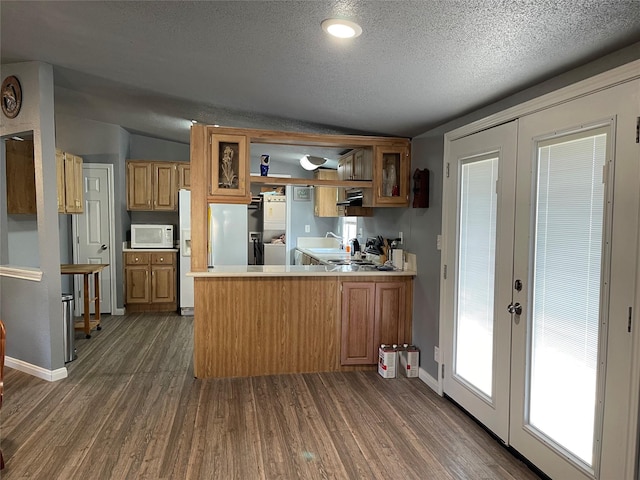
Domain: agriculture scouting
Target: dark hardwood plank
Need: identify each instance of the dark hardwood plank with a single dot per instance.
(131, 408)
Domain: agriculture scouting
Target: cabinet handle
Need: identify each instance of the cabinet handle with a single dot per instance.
(136, 259)
(162, 259)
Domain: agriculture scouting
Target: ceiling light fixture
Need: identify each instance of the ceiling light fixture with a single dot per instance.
(341, 28)
(309, 162)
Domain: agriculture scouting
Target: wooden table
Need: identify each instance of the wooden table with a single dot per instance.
(86, 269)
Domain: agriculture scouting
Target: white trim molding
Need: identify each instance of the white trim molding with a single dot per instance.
(23, 273)
(431, 382)
(36, 371)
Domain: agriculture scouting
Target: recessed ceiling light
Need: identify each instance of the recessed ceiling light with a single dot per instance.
(193, 122)
(341, 28)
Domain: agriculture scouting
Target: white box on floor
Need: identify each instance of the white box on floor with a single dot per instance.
(409, 360)
(387, 360)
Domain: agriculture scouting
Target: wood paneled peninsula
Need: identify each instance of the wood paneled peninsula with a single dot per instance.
(263, 320)
(251, 321)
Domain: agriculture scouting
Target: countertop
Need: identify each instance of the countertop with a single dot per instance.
(297, 271)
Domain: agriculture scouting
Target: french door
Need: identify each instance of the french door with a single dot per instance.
(541, 247)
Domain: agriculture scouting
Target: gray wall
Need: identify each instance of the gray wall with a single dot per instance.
(425, 224)
(98, 142)
(95, 142)
(32, 311)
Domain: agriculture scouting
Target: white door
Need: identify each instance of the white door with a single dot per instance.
(557, 371)
(92, 231)
(476, 345)
(576, 254)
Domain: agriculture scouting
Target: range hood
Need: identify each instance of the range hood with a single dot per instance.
(353, 198)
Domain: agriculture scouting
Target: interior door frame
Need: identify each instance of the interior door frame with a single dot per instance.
(112, 253)
(622, 74)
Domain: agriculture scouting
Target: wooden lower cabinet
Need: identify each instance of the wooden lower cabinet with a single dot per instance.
(150, 281)
(373, 313)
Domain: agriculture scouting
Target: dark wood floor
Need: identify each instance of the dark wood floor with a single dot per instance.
(131, 409)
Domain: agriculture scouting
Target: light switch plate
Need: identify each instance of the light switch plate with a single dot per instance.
(307, 228)
(439, 242)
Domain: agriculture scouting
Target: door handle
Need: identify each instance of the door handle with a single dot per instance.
(514, 308)
(103, 247)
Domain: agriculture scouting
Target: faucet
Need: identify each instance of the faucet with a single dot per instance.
(335, 236)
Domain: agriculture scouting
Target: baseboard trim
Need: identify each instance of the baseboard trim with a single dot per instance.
(431, 382)
(36, 371)
(119, 311)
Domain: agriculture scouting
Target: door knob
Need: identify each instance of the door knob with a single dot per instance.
(103, 247)
(514, 308)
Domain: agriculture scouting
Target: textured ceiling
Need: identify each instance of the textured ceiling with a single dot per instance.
(151, 66)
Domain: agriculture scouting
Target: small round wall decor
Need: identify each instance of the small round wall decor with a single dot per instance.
(11, 97)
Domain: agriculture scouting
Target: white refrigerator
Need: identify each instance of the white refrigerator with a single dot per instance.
(184, 232)
(228, 241)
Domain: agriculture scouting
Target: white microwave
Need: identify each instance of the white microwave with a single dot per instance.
(151, 236)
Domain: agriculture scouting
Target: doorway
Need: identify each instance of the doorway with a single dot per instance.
(93, 234)
(541, 225)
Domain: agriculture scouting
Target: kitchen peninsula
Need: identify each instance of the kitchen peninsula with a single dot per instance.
(261, 320)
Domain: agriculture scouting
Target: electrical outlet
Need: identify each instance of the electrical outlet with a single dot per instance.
(439, 242)
(254, 236)
(360, 232)
(307, 228)
(436, 353)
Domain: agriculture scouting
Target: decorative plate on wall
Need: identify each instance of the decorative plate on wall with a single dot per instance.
(11, 97)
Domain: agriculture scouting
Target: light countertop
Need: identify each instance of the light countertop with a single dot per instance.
(297, 271)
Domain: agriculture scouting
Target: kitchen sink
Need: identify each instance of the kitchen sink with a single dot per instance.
(342, 261)
(325, 251)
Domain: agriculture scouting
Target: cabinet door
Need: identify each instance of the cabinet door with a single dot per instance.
(137, 284)
(163, 279)
(325, 198)
(73, 183)
(229, 169)
(21, 177)
(139, 193)
(391, 177)
(362, 167)
(60, 184)
(164, 186)
(358, 324)
(390, 313)
(345, 167)
(184, 176)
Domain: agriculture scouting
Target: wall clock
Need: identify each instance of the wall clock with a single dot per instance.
(11, 97)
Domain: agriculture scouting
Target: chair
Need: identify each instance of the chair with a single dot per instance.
(3, 336)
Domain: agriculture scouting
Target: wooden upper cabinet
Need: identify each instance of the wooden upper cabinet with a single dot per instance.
(325, 198)
(391, 176)
(184, 176)
(164, 186)
(139, 190)
(356, 165)
(60, 180)
(21, 186)
(151, 185)
(229, 169)
(73, 188)
(21, 177)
